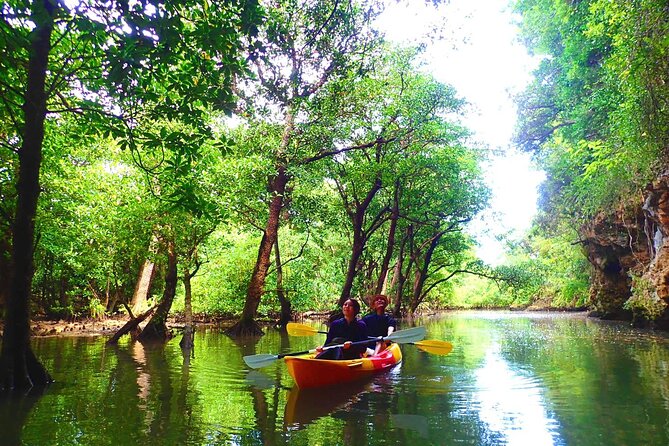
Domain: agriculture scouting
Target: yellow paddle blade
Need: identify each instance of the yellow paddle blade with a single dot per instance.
(434, 346)
(295, 329)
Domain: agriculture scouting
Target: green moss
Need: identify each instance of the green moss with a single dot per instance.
(644, 301)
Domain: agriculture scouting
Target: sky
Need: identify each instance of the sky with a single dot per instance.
(480, 55)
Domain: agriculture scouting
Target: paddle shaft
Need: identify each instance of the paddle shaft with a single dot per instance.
(431, 346)
(262, 360)
(401, 337)
(369, 340)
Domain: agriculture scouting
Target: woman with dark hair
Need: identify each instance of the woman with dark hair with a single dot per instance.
(345, 331)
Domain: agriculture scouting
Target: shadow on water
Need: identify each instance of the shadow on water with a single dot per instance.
(416, 423)
(304, 406)
(14, 411)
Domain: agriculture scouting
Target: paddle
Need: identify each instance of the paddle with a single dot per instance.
(408, 336)
(295, 329)
(433, 346)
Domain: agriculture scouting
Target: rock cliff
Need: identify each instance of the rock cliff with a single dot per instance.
(629, 253)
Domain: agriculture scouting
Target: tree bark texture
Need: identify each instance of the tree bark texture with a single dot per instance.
(143, 287)
(399, 270)
(360, 237)
(422, 272)
(156, 329)
(247, 325)
(130, 326)
(286, 308)
(352, 270)
(390, 247)
(5, 267)
(19, 368)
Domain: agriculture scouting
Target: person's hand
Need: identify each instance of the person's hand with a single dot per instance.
(319, 349)
(347, 345)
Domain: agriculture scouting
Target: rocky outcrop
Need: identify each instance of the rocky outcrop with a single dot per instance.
(629, 252)
(615, 245)
(656, 210)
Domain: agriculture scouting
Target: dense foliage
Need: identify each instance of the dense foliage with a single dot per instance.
(338, 146)
(595, 117)
(596, 114)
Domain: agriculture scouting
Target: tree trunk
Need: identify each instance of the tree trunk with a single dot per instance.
(360, 237)
(156, 329)
(246, 324)
(143, 287)
(19, 368)
(5, 269)
(286, 311)
(422, 273)
(277, 188)
(187, 339)
(390, 247)
(352, 269)
(401, 276)
(132, 326)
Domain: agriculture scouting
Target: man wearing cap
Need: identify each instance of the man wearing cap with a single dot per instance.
(379, 323)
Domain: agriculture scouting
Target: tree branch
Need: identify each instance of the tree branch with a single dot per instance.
(327, 153)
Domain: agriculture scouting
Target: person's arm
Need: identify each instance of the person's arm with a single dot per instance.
(363, 336)
(392, 325)
(332, 333)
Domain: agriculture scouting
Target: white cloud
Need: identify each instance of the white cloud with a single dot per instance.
(480, 55)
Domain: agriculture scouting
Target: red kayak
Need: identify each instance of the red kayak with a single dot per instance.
(309, 372)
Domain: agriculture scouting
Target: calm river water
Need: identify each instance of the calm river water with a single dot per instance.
(512, 379)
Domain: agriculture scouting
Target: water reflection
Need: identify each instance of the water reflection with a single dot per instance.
(307, 405)
(511, 404)
(14, 411)
(260, 380)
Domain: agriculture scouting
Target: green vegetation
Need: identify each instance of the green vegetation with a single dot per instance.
(288, 158)
(595, 116)
(595, 119)
(292, 161)
(644, 300)
(540, 271)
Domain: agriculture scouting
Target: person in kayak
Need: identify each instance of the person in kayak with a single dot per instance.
(345, 331)
(379, 323)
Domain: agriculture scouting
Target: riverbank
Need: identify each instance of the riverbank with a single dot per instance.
(109, 325)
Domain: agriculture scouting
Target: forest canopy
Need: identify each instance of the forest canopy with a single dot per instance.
(265, 157)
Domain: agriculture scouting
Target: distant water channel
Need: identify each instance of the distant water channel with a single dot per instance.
(512, 379)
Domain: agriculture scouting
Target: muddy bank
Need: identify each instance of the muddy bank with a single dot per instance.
(107, 326)
(110, 325)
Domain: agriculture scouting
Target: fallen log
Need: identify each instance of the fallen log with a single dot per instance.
(132, 324)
